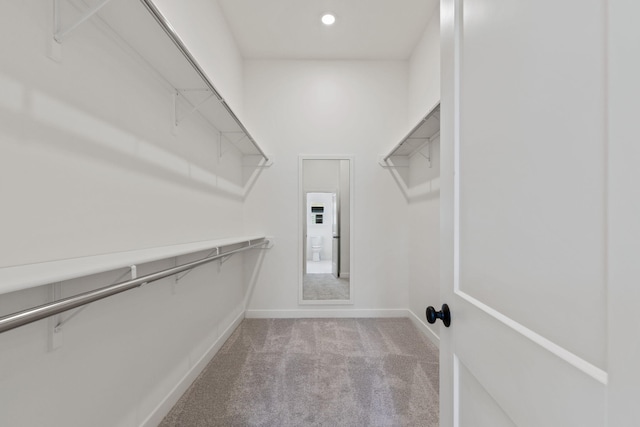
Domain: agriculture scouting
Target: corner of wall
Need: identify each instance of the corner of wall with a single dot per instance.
(163, 408)
(424, 70)
(426, 329)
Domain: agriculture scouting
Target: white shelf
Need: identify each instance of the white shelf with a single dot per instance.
(32, 275)
(427, 129)
(141, 26)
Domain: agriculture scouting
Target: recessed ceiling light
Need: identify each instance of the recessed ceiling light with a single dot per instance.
(328, 19)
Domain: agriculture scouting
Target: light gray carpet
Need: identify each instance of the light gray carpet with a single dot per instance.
(324, 287)
(316, 372)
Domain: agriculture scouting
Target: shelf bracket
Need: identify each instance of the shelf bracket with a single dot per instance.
(233, 143)
(268, 244)
(57, 322)
(193, 109)
(426, 156)
(54, 335)
(256, 165)
(385, 163)
(179, 277)
(59, 34)
(224, 259)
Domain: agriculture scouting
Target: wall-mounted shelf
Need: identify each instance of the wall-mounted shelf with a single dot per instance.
(31, 275)
(80, 301)
(142, 27)
(418, 138)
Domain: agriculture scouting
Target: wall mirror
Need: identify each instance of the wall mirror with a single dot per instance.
(326, 230)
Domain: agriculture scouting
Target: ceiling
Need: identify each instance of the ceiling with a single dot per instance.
(291, 29)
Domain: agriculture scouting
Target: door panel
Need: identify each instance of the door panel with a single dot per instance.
(480, 410)
(532, 164)
(523, 212)
(534, 383)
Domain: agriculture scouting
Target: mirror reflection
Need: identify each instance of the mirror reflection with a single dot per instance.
(326, 230)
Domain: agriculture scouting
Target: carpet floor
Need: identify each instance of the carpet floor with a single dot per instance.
(316, 372)
(324, 287)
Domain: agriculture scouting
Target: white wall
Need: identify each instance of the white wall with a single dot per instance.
(424, 244)
(321, 175)
(89, 165)
(424, 210)
(204, 30)
(329, 107)
(89, 162)
(424, 71)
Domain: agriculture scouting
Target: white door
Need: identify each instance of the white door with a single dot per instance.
(528, 239)
(623, 277)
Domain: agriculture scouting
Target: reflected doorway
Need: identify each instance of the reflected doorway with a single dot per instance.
(325, 195)
(322, 279)
(322, 227)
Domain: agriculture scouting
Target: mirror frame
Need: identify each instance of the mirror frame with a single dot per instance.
(301, 222)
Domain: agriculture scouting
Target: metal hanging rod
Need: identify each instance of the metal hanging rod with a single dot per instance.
(34, 314)
(164, 24)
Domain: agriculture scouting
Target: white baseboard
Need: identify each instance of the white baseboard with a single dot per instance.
(344, 275)
(332, 313)
(424, 327)
(174, 395)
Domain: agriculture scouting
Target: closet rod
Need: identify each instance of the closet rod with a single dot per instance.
(166, 26)
(33, 314)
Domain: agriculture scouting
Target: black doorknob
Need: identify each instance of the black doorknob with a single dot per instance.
(444, 315)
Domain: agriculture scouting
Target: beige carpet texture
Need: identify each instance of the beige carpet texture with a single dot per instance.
(324, 287)
(316, 372)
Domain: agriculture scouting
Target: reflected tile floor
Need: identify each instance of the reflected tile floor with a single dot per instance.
(319, 267)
